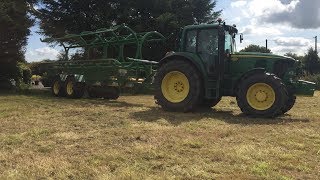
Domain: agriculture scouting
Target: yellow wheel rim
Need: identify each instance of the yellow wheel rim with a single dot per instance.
(175, 87)
(56, 88)
(70, 88)
(261, 96)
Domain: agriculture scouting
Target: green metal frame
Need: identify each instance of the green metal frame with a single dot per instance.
(107, 70)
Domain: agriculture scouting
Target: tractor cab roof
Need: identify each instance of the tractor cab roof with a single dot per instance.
(230, 29)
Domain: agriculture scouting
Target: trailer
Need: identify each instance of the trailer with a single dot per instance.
(106, 67)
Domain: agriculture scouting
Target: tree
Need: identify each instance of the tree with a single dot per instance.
(312, 64)
(300, 68)
(15, 23)
(294, 56)
(256, 48)
(166, 16)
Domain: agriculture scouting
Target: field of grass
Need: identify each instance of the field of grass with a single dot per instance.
(46, 137)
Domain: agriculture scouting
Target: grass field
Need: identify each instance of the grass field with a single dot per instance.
(42, 136)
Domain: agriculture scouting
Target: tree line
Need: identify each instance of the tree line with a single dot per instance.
(58, 17)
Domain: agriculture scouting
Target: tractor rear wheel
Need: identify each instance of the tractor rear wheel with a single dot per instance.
(73, 89)
(262, 95)
(57, 87)
(290, 103)
(209, 103)
(178, 86)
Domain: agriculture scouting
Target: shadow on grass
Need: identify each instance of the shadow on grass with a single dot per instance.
(154, 114)
(46, 96)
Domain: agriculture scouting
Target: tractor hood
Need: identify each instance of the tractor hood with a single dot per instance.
(257, 55)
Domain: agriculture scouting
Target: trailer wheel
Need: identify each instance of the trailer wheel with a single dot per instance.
(262, 95)
(57, 87)
(112, 93)
(73, 89)
(178, 86)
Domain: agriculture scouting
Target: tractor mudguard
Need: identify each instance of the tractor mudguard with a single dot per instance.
(189, 57)
(247, 74)
(78, 77)
(253, 71)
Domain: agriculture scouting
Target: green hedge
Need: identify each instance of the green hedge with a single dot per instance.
(25, 73)
(19, 72)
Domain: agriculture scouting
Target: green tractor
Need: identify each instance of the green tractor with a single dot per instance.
(206, 67)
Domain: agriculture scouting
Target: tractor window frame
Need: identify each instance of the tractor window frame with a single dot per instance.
(186, 42)
(214, 46)
(197, 31)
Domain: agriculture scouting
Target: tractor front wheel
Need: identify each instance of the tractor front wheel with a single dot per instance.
(178, 86)
(262, 95)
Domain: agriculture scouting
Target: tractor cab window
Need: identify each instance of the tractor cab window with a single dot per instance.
(229, 41)
(208, 42)
(191, 41)
(204, 43)
(208, 48)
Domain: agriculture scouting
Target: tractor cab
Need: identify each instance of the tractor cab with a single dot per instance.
(207, 47)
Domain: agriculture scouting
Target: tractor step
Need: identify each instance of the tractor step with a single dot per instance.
(213, 84)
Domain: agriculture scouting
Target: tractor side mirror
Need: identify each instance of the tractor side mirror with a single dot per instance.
(241, 38)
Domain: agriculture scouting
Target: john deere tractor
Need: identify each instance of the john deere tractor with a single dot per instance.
(206, 67)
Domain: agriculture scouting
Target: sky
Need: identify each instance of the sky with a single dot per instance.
(289, 26)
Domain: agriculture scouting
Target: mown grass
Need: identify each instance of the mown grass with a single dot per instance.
(46, 137)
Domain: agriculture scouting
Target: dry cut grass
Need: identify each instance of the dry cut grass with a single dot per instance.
(46, 137)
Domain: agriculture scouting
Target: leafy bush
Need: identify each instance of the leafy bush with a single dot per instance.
(46, 80)
(14, 76)
(6, 84)
(313, 78)
(10, 71)
(25, 73)
(23, 88)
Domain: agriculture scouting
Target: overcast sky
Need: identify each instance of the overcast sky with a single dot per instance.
(289, 26)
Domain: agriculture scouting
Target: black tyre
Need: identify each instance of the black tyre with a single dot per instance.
(112, 93)
(178, 86)
(290, 103)
(262, 95)
(57, 88)
(92, 92)
(73, 89)
(209, 103)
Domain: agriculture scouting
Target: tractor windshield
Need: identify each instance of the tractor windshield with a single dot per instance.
(230, 43)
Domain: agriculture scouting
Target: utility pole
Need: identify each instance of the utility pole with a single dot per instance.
(316, 44)
(266, 44)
